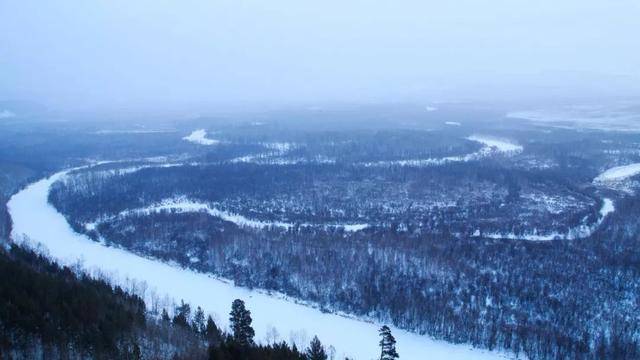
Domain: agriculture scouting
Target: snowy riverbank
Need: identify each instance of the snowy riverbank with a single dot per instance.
(182, 205)
(618, 173)
(36, 219)
(578, 232)
(490, 146)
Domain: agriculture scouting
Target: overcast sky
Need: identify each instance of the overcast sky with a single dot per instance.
(83, 54)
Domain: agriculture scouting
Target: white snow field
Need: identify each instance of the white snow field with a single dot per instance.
(492, 146)
(497, 144)
(200, 137)
(183, 205)
(618, 173)
(578, 232)
(620, 117)
(35, 219)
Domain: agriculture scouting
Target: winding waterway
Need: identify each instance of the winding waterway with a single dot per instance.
(39, 222)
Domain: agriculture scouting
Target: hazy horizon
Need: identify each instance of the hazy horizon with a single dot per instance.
(161, 54)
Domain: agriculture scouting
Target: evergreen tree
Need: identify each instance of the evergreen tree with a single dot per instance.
(198, 323)
(136, 353)
(212, 333)
(387, 344)
(165, 316)
(315, 351)
(182, 314)
(240, 319)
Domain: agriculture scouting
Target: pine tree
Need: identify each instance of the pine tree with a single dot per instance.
(240, 319)
(182, 314)
(212, 333)
(165, 316)
(316, 350)
(198, 323)
(387, 344)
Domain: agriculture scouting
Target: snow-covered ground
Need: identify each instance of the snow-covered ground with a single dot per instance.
(492, 146)
(431, 108)
(611, 117)
(497, 144)
(452, 123)
(34, 218)
(182, 205)
(618, 173)
(275, 155)
(276, 149)
(279, 147)
(132, 169)
(579, 232)
(200, 137)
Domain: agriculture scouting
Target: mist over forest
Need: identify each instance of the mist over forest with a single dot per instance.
(244, 180)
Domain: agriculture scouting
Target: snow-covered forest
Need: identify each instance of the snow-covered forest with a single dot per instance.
(320, 180)
(504, 240)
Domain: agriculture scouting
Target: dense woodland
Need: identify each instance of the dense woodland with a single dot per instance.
(53, 312)
(544, 300)
(556, 299)
(448, 199)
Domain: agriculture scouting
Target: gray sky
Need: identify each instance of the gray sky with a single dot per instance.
(83, 54)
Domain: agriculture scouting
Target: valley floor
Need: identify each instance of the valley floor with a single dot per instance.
(35, 219)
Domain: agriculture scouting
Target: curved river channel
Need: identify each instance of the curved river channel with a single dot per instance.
(39, 222)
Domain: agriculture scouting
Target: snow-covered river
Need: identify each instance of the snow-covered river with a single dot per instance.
(36, 219)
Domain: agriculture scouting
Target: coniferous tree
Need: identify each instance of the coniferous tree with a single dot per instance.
(316, 350)
(240, 319)
(212, 333)
(182, 314)
(387, 344)
(165, 316)
(198, 323)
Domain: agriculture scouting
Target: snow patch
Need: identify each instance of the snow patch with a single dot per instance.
(610, 117)
(496, 144)
(354, 227)
(275, 156)
(607, 208)
(200, 137)
(133, 169)
(280, 147)
(452, 123)
(618, 173)
(492, 146)
(275, 149)
(263, 159)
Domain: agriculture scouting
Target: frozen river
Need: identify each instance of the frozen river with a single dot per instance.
(36, 219)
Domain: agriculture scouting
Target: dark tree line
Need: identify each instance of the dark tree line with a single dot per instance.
(49, 311)
(50, 307)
